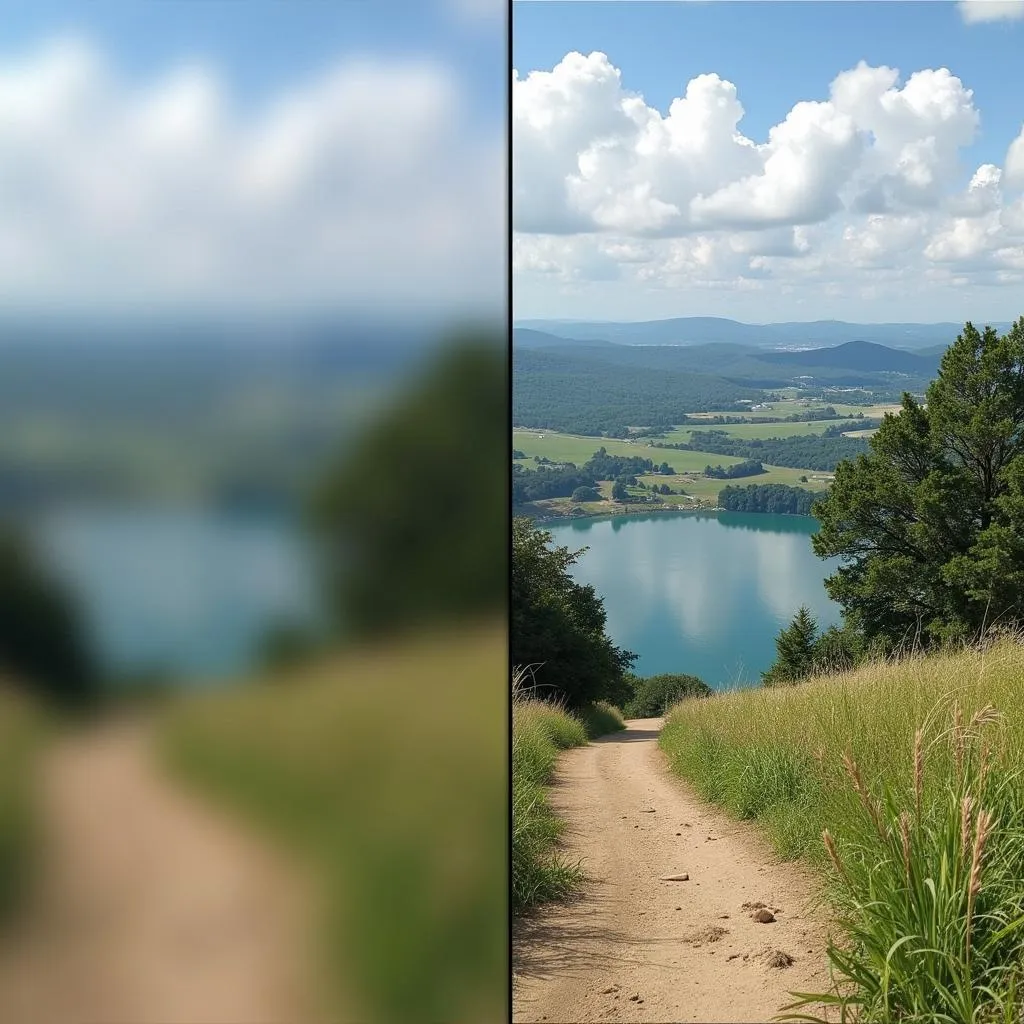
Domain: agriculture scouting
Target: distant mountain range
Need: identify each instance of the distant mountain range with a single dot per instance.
(702, 330)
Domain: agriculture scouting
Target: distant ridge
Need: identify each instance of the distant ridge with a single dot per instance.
(701, 330)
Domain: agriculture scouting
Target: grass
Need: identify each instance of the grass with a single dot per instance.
(681, 435)
(602, 718)
(21, 730)
(539, 872)
(902, 784)
(570, 448)
(385, 773)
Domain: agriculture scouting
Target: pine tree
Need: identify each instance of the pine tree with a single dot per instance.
(796, 646)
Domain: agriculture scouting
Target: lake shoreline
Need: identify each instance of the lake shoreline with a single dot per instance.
(554, 515)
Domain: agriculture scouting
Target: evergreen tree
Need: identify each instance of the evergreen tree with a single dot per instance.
(928, 524)
(796, 647)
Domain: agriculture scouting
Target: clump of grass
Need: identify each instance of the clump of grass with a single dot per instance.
(539, 731)
(901, 782)
(602, 718)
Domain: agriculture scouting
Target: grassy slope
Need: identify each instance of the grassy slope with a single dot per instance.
(778, 756)
(387, 771)
(570, 448)
(21, 730)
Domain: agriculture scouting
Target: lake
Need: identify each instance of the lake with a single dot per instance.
(701, 594)
(187, 592)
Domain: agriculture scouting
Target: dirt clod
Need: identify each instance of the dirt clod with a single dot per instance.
(763, 916)
(779, 959)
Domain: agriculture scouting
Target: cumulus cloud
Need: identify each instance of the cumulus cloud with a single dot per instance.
(357, 186)
(861, 193)
(976, 11)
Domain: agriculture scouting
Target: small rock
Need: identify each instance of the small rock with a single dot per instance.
(679, 908)
(635, 998)
(679, 833)
(684, 877)
(609, 990)
(753, 906)
(649, 810)
(763, 916)
(723, 917)
(733, 956)
(779, 959)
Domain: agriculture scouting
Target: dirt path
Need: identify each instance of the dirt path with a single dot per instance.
(688, 949)
(150, 907)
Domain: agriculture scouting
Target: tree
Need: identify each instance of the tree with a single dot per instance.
(43, 644)
(803, 479)
(619, 492)
(390, 563)
(795, 647)
(558, 625)
(586, 494)
(927, 523)
(654, 695)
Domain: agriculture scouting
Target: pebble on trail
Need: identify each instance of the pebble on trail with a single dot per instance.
(684, 877)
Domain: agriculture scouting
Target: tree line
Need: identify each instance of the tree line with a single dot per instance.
(779, 499)
(751, 467)
(803, 451)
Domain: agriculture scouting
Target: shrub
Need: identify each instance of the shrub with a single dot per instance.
(654, 695)
(586, 494)
(602, 718)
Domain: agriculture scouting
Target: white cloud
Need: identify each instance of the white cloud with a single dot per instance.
(360, 185)
(976, 11)
(1014, 163)
(855, 199)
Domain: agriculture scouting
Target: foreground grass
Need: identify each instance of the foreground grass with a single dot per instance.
(21, 732)
(902, 784)
(386, 772)
(539, 873)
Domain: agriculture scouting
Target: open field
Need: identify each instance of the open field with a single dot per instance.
(902, 763)
(789, 406)
(385, 771)
(571, 448)
(681, 435)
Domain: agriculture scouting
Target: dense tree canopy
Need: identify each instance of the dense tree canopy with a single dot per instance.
(558, 625)
(930, 523)
(409, 517)
(780, 499)
(803, 451)
(750, 467)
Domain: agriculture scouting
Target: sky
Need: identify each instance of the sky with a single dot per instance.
(250, 155)
(768, 161)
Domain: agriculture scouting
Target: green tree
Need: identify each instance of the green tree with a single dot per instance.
(619, 492)
(43, 644)
(654, 695)
(586, 494)
(393, 563)
(927, 523)
(795, 646)
(558, 625)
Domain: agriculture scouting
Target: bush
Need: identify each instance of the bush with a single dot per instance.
(586, 494)
(654, 695)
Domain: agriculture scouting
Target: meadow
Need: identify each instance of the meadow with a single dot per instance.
(681, 435)
(902, 784)
(571, 448)
(385, 772)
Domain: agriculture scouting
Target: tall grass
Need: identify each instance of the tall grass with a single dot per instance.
(902, 783)
(539, 731)
(602, 718)
(385, 772)
(21, 732)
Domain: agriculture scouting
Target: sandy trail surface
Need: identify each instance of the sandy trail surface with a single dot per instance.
(635, 948)
(150, 907)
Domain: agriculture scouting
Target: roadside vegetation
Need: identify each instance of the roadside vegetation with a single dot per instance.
(901, 782)
(22, 730)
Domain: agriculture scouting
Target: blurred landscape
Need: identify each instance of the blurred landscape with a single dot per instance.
(252, 580)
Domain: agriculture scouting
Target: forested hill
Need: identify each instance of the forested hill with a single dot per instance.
(588, 396)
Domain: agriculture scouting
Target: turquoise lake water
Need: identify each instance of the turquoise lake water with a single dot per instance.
(703, 594)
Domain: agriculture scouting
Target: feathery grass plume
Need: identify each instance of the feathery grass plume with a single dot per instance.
(853, 770)
(833, 855)
(983, 767)
(966, 806)
(981, 834)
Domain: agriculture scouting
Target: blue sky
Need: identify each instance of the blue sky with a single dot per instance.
(777, 55)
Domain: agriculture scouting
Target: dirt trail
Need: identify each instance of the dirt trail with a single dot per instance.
(631, 934)
(150, 906)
